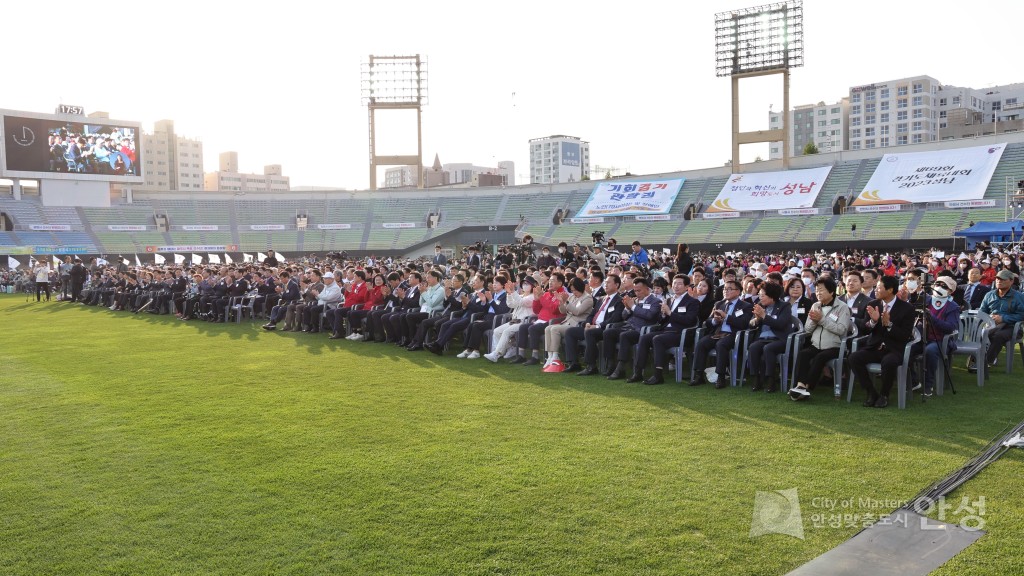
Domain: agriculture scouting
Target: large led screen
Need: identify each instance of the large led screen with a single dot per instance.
(99, 150)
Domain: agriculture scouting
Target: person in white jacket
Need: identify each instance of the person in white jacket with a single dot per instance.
(41, 271)
(828, 322)
(521, 303)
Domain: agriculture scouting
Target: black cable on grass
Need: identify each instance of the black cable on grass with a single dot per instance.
(924, 501)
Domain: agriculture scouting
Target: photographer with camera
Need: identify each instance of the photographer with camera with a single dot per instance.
(941, 316)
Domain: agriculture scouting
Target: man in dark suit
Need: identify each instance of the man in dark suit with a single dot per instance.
(473, 260)
(289, 295)
(973, 292)
(394, 325)
(856, 299)
(454, 289)
(439, 258)
(608, 311)
(727, 275)
(773, 323)
(641, 311)
(680, 311)
(890, 326)
(477, 302)
(730, 316)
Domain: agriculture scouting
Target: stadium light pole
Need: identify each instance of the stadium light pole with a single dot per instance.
(759, 41)
(395, 83)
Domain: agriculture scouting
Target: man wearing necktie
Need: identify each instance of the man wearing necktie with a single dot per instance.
(856, 300)
(641, 311)
(681, 311)
(730, 316)
(974, 292)
(889, 327)
(607, 312)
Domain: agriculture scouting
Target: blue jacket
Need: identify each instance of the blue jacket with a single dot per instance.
(1010, 307)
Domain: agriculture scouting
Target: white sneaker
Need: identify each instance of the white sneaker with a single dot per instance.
(359, 337)
(511, 353)
(352, 336)
(473, 355)
(548, 362)
(463, 354)
(492, 357)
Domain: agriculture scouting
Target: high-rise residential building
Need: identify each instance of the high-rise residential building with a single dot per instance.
(172, 162)
(911, 110)
(894, 113)
(228, 178)
(452, 174)
(821, 123)
(559, 158)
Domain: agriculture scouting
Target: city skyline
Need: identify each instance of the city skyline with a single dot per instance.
(282, 86)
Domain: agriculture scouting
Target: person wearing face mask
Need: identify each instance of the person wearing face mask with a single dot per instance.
(943, 318)
(521, 303)
(546, 260)
(563, 257)
(961, 272)
(809, 277)
(912, 290)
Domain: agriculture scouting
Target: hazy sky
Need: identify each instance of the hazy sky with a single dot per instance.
(280, 83)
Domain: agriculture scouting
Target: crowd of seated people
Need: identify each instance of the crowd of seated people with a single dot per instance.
(111, 152)
(729, 313)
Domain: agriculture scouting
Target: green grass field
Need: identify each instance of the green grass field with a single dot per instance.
(147, 445)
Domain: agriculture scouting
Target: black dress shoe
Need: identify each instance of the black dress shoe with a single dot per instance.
(882, 402)
(722, 383)
(403, 343)
(635, 378)
(574, 367)
(433, 348)
(616, 374)
(531, 362)
(588, 371)
(334, 336)
(698, 379)
(517, 359)
(656, 379)
(414, 348)
(870, 402)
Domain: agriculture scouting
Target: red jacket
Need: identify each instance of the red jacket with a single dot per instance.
(375, 297)
(546, 307)
(357, 294)
(988, 276)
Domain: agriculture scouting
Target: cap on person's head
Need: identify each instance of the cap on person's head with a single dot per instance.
(947, 283)
(1005, 274)
(986, 261)
(329, 275)
(530, 280)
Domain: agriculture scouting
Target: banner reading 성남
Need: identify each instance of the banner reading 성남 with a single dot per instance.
(632, 198)
(937, 176)
(770, 190)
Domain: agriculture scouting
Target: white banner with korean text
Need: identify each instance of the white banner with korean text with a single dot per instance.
(632, 198)
(936, 176)
(770, 190)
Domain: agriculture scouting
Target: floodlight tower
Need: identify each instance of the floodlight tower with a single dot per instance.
(759, 41)
(395, 83)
